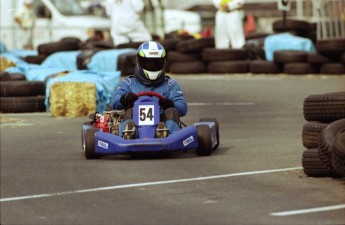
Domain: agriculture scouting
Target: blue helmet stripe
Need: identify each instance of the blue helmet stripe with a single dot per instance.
(146, 45)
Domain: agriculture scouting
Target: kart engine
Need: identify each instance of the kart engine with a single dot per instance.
(108, 121)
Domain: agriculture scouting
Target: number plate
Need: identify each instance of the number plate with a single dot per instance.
(146, 115)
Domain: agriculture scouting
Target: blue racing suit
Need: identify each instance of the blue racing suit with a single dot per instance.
(168, 88)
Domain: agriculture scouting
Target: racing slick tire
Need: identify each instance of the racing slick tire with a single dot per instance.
(338, 153)
(215, 121)
(312, 165)
(204, 140)
(22, 104)
(88, 143)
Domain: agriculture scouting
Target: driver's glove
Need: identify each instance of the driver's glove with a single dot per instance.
(166, 103)
(128, 98)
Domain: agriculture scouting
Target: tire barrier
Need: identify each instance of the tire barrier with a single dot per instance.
(324, 135)
(22, 96)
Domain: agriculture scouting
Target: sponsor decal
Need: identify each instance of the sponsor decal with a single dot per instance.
(103, 144)
(188, 141)
(127, 81)
(171, 81)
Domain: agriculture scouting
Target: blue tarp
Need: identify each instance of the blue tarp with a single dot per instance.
(102, 72)
(66, 60)
(286, 41)
(105, 85)
(106, 60)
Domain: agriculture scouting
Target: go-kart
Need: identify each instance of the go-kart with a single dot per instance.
(100, 136)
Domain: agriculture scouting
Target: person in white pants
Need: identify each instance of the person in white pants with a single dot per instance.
(127, 25)
(26, 19)
(229, 31)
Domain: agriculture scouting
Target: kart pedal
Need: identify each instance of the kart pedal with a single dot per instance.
(162, 130)
(129, 131)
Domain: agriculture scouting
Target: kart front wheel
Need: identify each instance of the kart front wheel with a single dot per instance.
(89, 144)
(204, 140)
(215, 121)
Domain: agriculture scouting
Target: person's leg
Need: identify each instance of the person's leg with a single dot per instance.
(171, 119)
(119, 38)
(235, 30)
(127, 126)
(141, 34)
(221, 35)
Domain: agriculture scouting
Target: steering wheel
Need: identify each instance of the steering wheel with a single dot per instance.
(150, 93)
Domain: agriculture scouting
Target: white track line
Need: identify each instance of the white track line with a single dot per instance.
(311, 210)
(145, 184)
(221, 103)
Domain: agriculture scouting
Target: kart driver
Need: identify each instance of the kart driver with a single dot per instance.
(149, 75)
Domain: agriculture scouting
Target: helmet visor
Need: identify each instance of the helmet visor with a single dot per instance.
(152, 64)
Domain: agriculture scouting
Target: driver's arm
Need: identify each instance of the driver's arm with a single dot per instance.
(123, 88)
(176, 95)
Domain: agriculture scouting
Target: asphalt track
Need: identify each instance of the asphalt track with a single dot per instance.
(255, 177)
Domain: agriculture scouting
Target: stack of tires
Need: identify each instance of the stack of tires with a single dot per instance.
(18, 95)
(44, 50)
(324, 135)
(186, 58)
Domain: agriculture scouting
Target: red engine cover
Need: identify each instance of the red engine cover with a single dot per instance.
(102, 123)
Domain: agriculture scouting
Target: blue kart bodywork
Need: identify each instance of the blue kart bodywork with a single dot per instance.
(146, 116)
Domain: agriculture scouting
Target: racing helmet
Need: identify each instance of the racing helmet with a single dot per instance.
(151, 60)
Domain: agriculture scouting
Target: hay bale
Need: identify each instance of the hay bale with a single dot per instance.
(6, 63)
(72, 99)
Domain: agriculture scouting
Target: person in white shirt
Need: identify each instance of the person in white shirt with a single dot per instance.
(127, 25)
(229, 31)
(26, 19)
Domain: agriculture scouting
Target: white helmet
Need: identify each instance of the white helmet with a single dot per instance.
(151, 59)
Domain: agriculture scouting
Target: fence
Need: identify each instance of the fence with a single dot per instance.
(330, 19)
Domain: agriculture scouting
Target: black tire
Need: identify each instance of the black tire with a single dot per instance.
(326, 142)
(5, 76)
(134, 45)
(335, 46)
(338, 153)
(36, 59)
(22, 88)
(312, 165)
(126, 63)
(317, 59)
(83, 58)
(170, 43)
(187, 67)
(174, 56)
(204, 140)
(332, 68)
(311, 133)
(22, 104)
(89, 144)
(324, 107)
(343, 58)
(83, 132)
(228, 67)
(289, 56)
(195, 45)
(50, 48)
(290, 25)
(212, 119)
(299, 68)
(264, 67)
(213, 54)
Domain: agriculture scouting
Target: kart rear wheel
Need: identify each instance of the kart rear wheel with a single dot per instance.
(215, 121)
(89, 144)
(204, 140)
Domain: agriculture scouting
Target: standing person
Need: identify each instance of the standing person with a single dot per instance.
(149, 75)
(126, 24)
(26, 19)
(229, 24)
